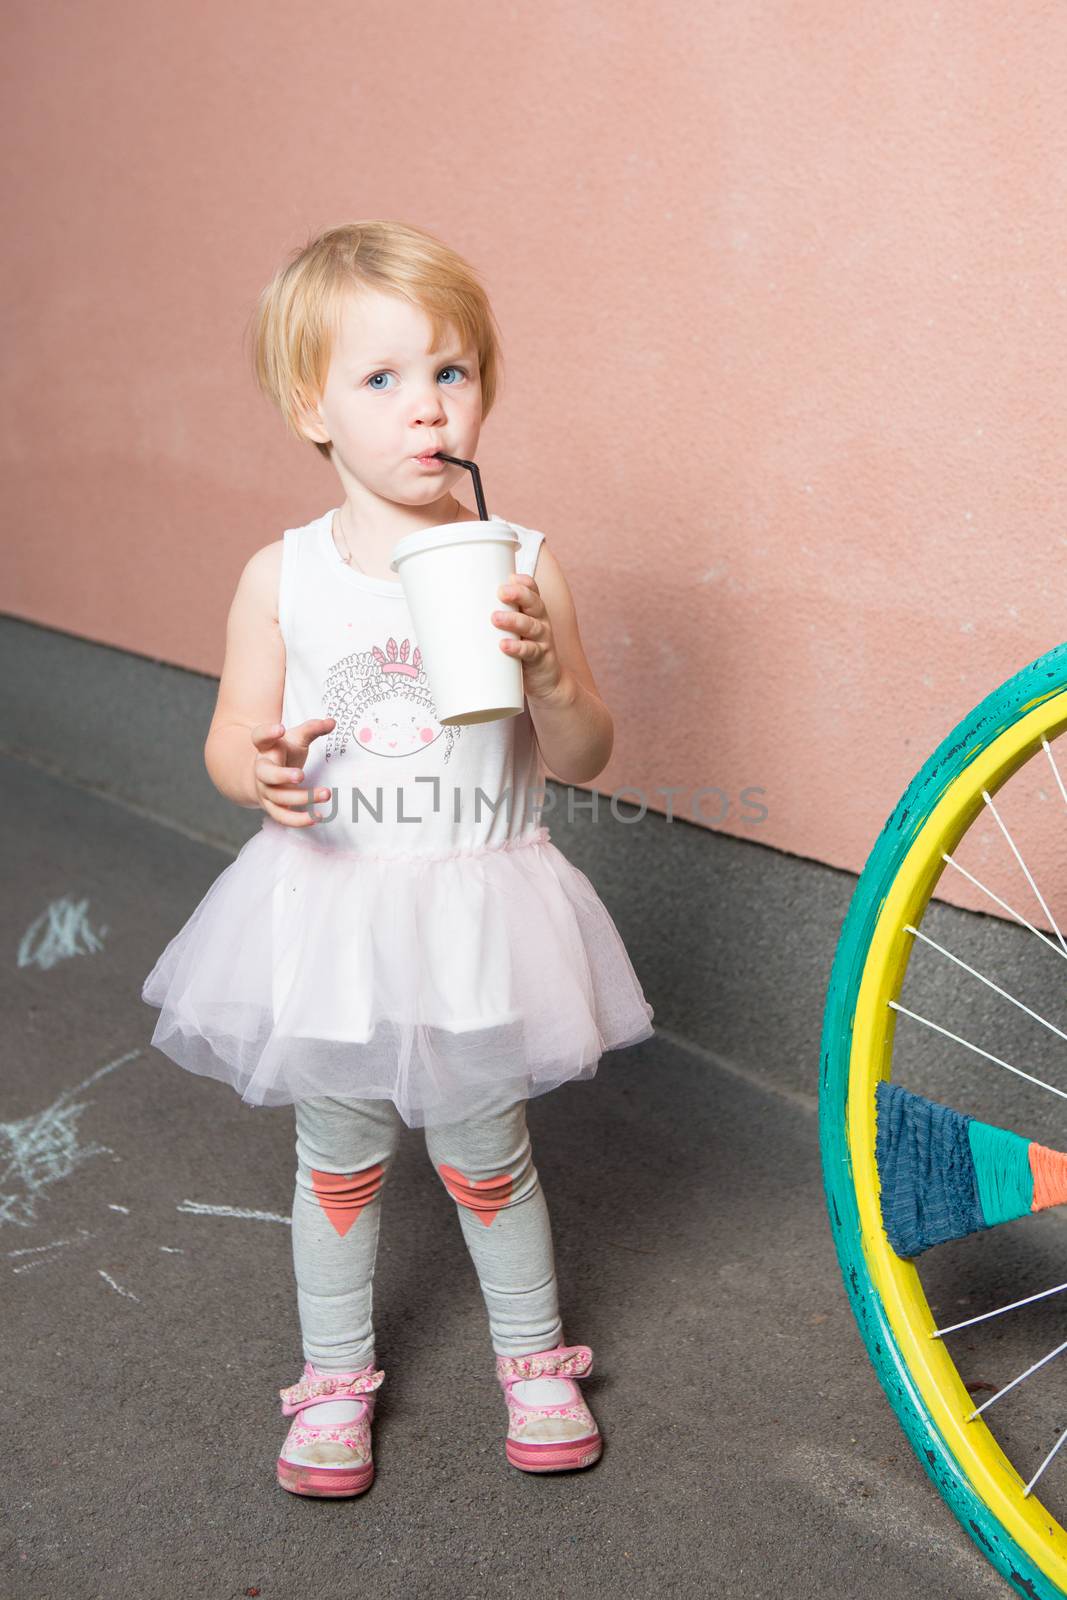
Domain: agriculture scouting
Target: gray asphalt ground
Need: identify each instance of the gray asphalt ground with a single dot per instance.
(749, 1450)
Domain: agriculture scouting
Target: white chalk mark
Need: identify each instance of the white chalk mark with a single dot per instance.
(124, 1209)
(42, 1149)
(53, 936)
(117, 1286)
(44, 1260)
(39, 1249)
(34, 1249)
(197, 1208)
(172, 1250)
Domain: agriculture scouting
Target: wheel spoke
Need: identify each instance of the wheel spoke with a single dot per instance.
(1020, 1379)
(1045, 1463)
(939, 1333)
(1009, 909)
(996, 986)
(1029, 878)
(1040, 1082)
(1055, 768)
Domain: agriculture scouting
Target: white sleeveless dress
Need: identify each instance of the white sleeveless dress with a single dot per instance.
(427, 943)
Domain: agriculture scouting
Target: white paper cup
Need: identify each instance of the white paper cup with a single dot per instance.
(451, 574)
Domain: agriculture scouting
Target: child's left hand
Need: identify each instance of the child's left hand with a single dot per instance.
(535, 647)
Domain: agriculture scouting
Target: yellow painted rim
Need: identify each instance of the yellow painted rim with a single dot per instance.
(994, 1479)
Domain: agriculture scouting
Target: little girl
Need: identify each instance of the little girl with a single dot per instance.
(417, 951)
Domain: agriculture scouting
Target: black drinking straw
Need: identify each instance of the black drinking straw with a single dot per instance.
(475, 474)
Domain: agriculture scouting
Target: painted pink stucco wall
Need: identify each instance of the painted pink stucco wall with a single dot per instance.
(784, 302)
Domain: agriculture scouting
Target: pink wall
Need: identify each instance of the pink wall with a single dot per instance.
(784, 304)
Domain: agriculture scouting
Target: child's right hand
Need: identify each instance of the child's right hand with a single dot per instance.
(278, 767)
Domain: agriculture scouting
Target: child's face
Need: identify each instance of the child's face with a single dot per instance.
(387, 399)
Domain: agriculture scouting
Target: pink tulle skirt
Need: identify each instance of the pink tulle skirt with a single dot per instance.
(437, 982)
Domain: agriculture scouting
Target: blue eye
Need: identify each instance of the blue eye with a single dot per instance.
(372, 384)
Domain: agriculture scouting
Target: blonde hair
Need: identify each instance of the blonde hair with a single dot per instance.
(297, 317)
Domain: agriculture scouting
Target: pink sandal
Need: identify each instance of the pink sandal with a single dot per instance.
(550, 1427)
(330, 1456)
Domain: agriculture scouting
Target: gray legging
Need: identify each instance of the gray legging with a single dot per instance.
(343, 1150)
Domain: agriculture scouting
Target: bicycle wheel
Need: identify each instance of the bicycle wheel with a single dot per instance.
(861, 1042)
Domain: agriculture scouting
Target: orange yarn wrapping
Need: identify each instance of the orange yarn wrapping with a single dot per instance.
(1049, 1168)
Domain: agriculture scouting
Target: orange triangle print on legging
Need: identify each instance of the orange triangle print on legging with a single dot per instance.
(342, 1195)
(484, 1198)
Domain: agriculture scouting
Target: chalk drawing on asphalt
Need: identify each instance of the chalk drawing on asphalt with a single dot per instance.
(118, 1287)
(199, 1208)
(62, 930)
(44, 1148)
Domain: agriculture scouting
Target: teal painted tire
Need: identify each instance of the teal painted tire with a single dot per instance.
(998, 735)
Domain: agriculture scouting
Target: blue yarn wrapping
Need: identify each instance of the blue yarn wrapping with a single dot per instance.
(926, 1168)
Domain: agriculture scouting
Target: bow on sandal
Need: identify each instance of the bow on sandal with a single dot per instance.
(327, 1451)
(550, 1427)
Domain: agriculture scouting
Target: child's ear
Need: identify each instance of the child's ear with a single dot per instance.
(309, 420)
